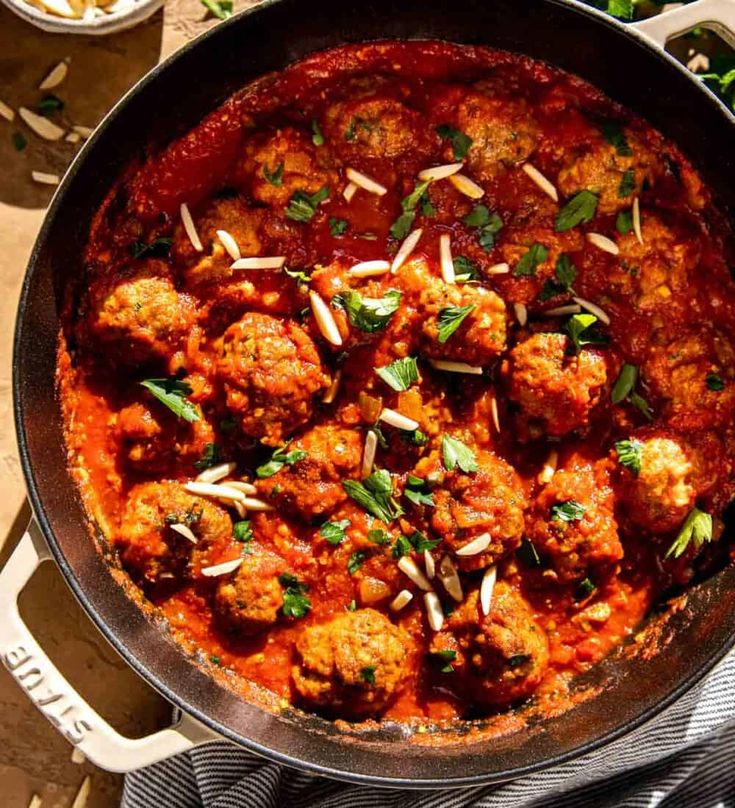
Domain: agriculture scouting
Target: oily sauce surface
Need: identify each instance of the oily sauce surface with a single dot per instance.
(565, 452)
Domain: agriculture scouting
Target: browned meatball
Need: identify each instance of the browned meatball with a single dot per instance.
(249, 601)
(501, 657)
(599, 167)
(571, 522)
(312, 487)
(271, 371)
(150, 548)
(556, 391)
(282, 164)
(490, 500)
(672, 474)
(353, 665)
(139, 313)
(153, 440)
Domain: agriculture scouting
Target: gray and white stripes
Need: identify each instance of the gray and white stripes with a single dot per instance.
(683, 759)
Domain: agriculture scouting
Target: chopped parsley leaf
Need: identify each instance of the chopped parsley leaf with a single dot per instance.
(299, 276)
(401, 374)
(158, 248)
(19, 141)
(565, 273)
(352, 606)
(378, 536)
(317, 137)
(697, 529)
(456, 454)
(279, 459)
(295, 602)
(402, 225)
(528, 553)
(49, 104)
(214, 659)
(355, 561)
(517, 660)
(415, 438)
(222, 9)
(401, 547)
(624, 222)
(535, 255)
(580, 209)
(578, 327)
(274, 177)
(188, 518)
(715, 383)
(173, 393)
(451, 318)
(375, 495)
(569, 511)
(584, 589)
(624, 384)
(210, 457)
(488, 225)
(242, 531)
(302, 207)
(630, 454)
(627, 184)
(459, 140)
(615, 136)
(367, 313)
(337, 227)
(622, 9)
(334, 532)
(367, 674)
(420, 542)
(641, 404)
(417, 492)
(446, 656)
(465, 269)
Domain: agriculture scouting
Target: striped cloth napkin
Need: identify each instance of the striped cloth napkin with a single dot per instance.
(685, 758)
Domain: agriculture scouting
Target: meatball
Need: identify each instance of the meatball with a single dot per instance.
(490, 500)
(693, 371)
(147, 544)
(503, 132)
(139, 314)
(377, 128)
(271, 371)
(599, 167)
(555, 391)
(659, 496)
(312, 487)
(353, 665)
(284, 163)
(153, 440)
(249, 601)
(501, 657)
(571, 522)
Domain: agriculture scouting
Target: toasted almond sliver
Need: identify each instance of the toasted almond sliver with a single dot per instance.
(405, 250)
(190, 228)
(55, 76)
(240, 508)
(229, 243)
(255, 504)
(241, 485)
(547, 472)
(467, 186)
(224, 568)
(368, 269)
(216, 473)
(476, 546)
(368, 454)
(498, 269)
(408, 567)
(43, 127)
(403, 598)
(494, 413)
(562, 311)
(593, 308)
(185, 531)
(325, 319)
(349, 191)
(61, 8)
(521, 313)
(35, 801)
(73, 137)
(637, 220)
(333, 389)
(45, 179)
(77, 756)
(6, 112)
(436, 173)
(82, 796)
(486, 589)
(450, 579)
(84, 131)
(366, 183)
(399, 421)
(603, 243)
(214, 490)
(434, 612)
(541, 181)
(265, 262)
(445, 258)
(429, 565)
(455, 367)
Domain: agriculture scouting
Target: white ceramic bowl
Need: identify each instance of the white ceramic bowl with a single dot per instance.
(108, 23)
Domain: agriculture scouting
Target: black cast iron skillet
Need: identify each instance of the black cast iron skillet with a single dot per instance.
(172, 99)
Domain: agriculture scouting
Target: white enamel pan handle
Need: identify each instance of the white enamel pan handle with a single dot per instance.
(56, 698)
(717, 15)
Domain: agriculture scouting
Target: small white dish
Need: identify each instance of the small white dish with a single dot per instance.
(130, 13)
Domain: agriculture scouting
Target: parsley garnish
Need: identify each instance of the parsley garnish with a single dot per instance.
(415, 438)
(517, 660)
(402, 225)
(447, 656)
(352, 606)
(526, 267)
(528, 553)
(295, 602)
(49, 104)
(19, 141)
(459, 140)
(173, 393)
(578, 327)
(401, 547)
(451, 318)
(375, 495)
(367, 313)
(401, 374)
(222, 9)
(279, 459)
(158, 248)
(417, 491)
(622, 9)
(580, 209)
(455, 453)
(584, 589)
(624, 389)
(367, 674)
(697, 529)
(565, 273)
(188, 518)
(317, 137)
(355, 561)
(274, 177)
(627, 184)
(715, 383)
(624, 222)
(615, 136)
(569, 511)
(242, 531)
(488, 225)
(378, 536)
(214, 659)
(420, 542)
(302, 207)
(337, 227)
(299, 276)
(465, 269)
(210, 457)
(630, 454)
(334, 532)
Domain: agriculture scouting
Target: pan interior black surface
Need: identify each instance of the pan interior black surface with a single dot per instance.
(174, 98)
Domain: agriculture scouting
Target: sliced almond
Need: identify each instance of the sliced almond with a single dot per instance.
(43, 127)
(408, 567)
(369, 269)
(6, 112)
(324, 319)
(402, 599)
(593, 308)
(216, 473)
(265, 262)
(229, 243)
(366, 183)
(467, 186)
(436, 173)
(455, 367)
(185, 531)
(225, 568)
(405, 250)
(445, 258)
(487, 587)
(55, 77)
(434, 612)
(545, 185)
(603, 243)
(399, 421)
(476, 546)
(45, 179)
